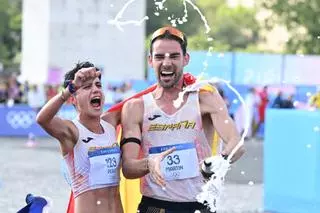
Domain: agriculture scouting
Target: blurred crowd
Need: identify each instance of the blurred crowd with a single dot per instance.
(252, 115)
(13, 92)
(257, 100)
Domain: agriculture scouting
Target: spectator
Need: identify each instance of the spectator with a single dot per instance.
(264, 100)
(246, 118)
(314, 100)
(36, 97)
(277, 101)
(127, 90)
(51, 92)
(3, 92)
(288, 103)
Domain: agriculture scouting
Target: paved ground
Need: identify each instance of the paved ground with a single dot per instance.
(37, 170)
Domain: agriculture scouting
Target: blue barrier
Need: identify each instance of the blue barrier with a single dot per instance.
(20, 120)
(292, 161)
(254, 68)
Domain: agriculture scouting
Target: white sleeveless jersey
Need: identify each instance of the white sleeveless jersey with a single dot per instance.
(183, 130)
(95, 159)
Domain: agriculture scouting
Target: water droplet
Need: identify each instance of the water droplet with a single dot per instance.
(221, 55)
(295, 103)
(221, 108)
(316, 129)
(308, 94)
(235, 101)
(243, 172)
(308, 146)
(205, 64)
(210, 39)
(226, 121)
(169, 18)
(251, 183)
(163, 188)
(318, 37)
(197, 211)
(156, 13)
(98, 202)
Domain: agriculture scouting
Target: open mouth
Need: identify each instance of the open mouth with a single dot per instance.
(166, 74)
(96, 102)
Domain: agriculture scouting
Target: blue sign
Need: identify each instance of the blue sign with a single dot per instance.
(20, 120)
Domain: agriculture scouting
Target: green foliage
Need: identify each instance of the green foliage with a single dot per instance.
(231, 28)
(298, 16)
(10, 31)
(172, 9)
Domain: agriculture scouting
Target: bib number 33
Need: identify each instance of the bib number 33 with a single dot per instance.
(181, 164)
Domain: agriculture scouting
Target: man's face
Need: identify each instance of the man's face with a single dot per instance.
(89, 99)
(168, 61)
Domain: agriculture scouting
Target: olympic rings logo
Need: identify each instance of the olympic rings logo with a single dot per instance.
(21, 119)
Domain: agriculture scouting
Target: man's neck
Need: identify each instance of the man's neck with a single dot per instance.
(91, 123)
(171, 93)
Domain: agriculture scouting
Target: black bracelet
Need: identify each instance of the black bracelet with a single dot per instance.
(71, 86)
(129, 140)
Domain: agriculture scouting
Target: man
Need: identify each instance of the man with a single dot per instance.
(180, 137)
(88, 143)
(262, 106)
(314, 100)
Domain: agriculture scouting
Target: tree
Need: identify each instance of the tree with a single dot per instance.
(10, 30)
(172, 9)
(231, 28)
(301, 17)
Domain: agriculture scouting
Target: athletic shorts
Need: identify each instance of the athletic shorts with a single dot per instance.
(150, 205)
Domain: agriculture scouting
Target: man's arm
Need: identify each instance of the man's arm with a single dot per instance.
(132, 166)
(131, 119)
(212, 103)
(60, 129)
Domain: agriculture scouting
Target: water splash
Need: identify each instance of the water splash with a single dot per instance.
(159, 5)
(116, 21)
(213, 81)
(213, 188)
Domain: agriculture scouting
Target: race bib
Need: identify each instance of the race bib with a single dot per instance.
(181, 164)
(104, 165)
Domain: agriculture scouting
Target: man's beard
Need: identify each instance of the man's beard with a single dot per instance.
(171, 83)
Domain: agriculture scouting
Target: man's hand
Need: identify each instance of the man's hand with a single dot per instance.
(154, 166)
(84, 75)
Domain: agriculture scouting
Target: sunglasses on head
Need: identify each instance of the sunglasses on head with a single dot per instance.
(173, 31)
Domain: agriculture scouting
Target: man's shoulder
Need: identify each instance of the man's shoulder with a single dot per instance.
(134, 103)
